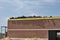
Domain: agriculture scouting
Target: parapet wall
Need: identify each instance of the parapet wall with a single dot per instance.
(34, 24)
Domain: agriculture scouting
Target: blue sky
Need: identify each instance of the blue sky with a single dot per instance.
(15, 8)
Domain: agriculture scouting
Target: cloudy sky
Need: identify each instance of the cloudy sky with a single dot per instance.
(14, 8)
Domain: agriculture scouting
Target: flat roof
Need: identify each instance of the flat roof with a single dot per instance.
(35, 18)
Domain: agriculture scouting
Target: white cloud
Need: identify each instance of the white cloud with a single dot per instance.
(50, 1)
(34, 14)
(27, 6)
(7, 18)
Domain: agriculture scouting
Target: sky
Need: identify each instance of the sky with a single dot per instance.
(15, 8)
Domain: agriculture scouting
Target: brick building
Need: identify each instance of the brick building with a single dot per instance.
(31, 27)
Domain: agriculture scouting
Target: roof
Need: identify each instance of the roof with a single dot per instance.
(34, 18)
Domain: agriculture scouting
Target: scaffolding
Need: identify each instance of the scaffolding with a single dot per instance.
(3, 31)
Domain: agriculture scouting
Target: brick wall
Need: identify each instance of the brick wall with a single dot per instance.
(28, 34)
(32, 24)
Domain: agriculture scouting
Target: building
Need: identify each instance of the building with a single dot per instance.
(32, 27)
